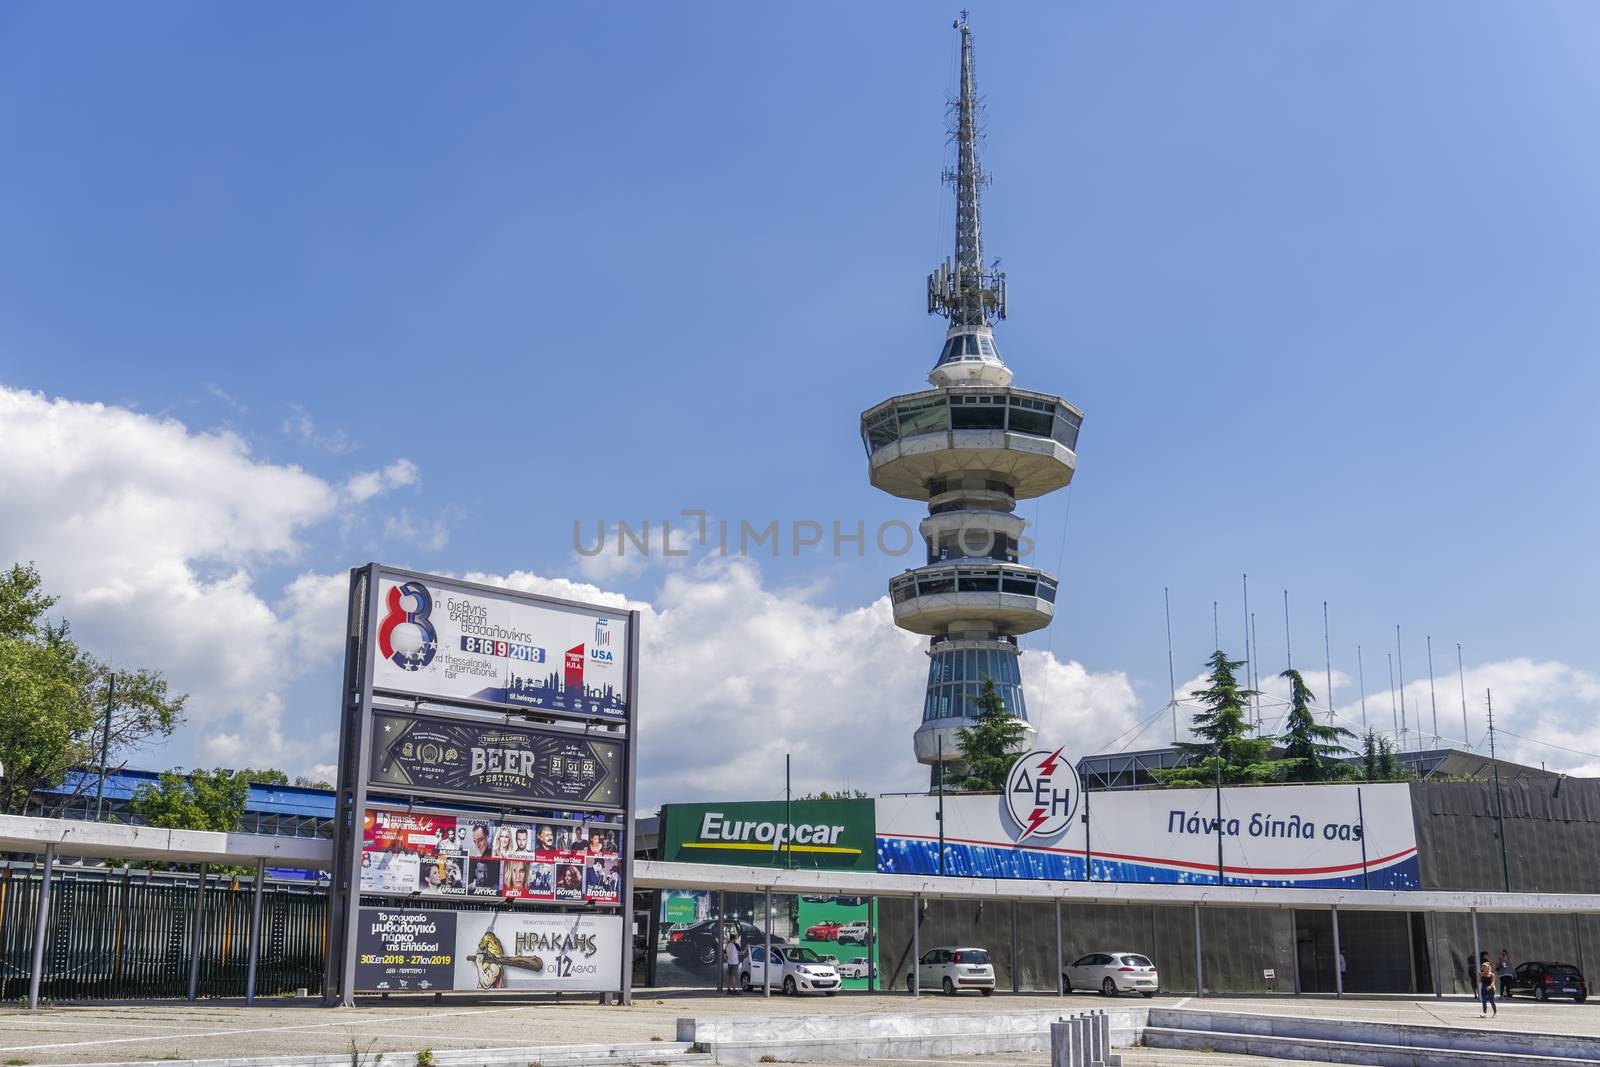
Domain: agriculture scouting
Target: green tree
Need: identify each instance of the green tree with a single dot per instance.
(193, 800)
(1309, 748)
(990, 746)
(1225, 731)
(1378, 762)
(836, 794)
(53, 697)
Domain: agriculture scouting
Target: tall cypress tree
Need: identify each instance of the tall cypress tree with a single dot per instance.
(1224, 732)
(1309, 748)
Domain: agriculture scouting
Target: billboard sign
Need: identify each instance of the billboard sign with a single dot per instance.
(1286, 835)
(408, 853)
(461, 643)
(522, 950)
(830, 834)
(473, 951)
(490, 761)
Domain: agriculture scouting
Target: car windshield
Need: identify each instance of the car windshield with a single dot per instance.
(972, 955)
(858, 959)
(1136, 961)
(804, 955)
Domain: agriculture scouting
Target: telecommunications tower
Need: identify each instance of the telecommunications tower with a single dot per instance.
(971, 446)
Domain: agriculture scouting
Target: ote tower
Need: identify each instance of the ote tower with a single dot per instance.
(971, 446)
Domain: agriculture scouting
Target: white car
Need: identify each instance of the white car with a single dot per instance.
(954, 969)
(1112, 973)
(856, 933)
(856, 967)
(795, 969)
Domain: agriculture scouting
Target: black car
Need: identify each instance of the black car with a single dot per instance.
(1546, 980)
(703, 942)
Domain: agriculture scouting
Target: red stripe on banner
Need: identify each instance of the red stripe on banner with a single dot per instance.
(1370, 864)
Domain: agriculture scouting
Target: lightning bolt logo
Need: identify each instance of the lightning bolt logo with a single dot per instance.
(1047, 766)
(1033, 823)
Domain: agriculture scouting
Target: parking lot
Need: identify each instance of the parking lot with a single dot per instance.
(165, 1031)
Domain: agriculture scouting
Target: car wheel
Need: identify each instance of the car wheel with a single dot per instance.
(949, 987)
(1145, 995)
(1066, 984)
(744, 981)
(1108, 988)
(1580, 998)
(830, 992)
(789, 986)
(1540, 994)
(988, 992)
(706, 954)
(911, 986)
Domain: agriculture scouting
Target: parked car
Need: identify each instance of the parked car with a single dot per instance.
(848, 902)
(823, 931)
(954, 969)
(795, 969)
(1546, 980)
(857, 967)
(856, 933)
(702, 941)
(1112, 973)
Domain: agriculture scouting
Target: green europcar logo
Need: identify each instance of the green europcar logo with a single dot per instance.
(837, 834)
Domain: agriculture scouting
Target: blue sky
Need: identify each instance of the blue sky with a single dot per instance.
(1320, 275)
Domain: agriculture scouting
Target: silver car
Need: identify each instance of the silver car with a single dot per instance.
(1112, 973)
(795, 969)
(954, 969)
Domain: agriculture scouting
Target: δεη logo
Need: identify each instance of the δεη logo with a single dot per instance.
(1041, 795)
(406, 636)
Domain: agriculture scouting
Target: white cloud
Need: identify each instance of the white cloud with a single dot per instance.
(153, 535)
(359, 488)
(303, 428)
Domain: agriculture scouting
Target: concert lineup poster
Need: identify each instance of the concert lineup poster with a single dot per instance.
(486, 761)
(409, 853)
(522, 950)
(436, 639)
(405, 950)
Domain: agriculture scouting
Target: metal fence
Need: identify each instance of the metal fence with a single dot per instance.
(130, 934)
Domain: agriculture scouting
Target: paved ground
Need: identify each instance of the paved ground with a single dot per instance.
(166, 1030)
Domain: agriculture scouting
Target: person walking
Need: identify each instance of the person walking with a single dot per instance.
(730, 965)
(1486, 1003)
(1504, 970)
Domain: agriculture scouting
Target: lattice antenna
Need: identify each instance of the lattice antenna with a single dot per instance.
(965, 290)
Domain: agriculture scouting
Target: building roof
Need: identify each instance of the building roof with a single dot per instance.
(298, 800)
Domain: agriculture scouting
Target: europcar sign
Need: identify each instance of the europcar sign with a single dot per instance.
(831, 834)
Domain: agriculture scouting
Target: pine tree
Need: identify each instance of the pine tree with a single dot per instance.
(1388, 766)
(1225, 734)
(1369, 756)
(1309, 748)
(991, 746)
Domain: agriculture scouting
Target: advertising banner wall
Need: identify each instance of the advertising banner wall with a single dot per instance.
(435, 638)
(1314, 835)
(406, 853)
(405, 949)
(484, 761)
(833, 834)
(519, 950)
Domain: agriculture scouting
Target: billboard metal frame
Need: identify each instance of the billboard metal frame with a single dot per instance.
(356, 705)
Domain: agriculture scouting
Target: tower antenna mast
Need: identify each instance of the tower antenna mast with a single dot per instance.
(965, 290)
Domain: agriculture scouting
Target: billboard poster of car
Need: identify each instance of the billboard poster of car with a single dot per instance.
(405, 949)
(840, 927)
(519, 950)
(438, 639)
(490, 761)
(412, 853)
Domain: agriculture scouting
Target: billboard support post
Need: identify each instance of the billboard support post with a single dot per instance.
(255, 931)
(198, 933)
(766, 966)
(916, 944)
(1338, 958)
(628, 817)
(1199, 957)
(1477, 951)
(1061, 955)
(41, 921)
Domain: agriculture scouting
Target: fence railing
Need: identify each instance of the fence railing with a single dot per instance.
(130, 934)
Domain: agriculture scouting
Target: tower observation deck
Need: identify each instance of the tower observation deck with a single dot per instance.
(971, 446)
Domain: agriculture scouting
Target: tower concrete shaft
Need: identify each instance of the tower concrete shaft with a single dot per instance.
(971, 447)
